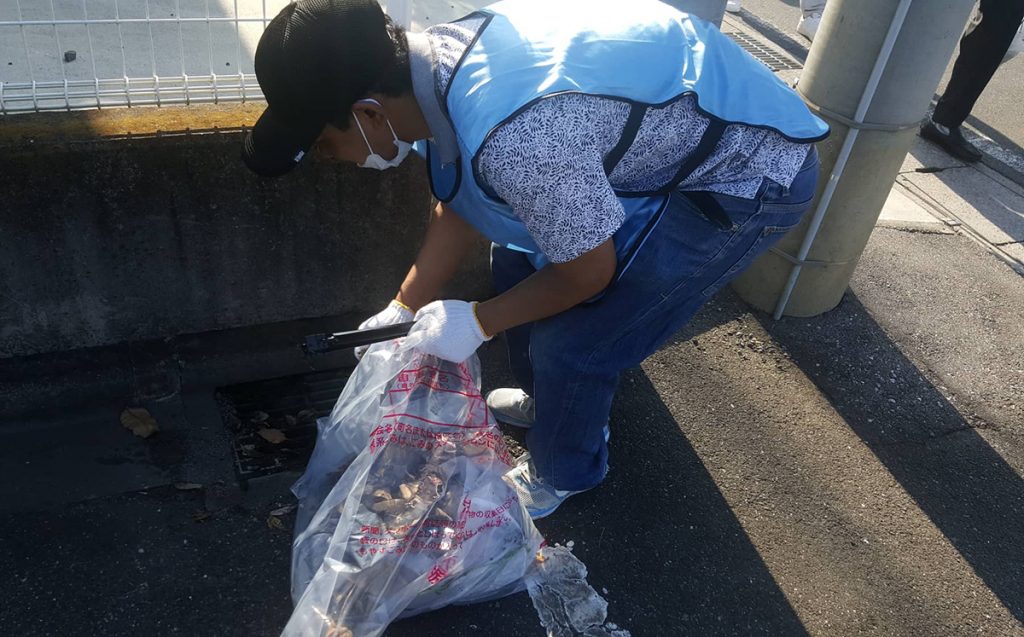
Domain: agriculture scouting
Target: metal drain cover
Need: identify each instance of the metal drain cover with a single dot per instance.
(769, 57)
(285, 410)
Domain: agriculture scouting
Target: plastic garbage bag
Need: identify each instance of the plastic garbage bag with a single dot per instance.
(343, 434)
(403, 508)
(565, 603)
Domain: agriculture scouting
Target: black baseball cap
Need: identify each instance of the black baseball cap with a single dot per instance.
(315, 59)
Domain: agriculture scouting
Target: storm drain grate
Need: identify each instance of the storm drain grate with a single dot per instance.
(273, 422)
(769, 57)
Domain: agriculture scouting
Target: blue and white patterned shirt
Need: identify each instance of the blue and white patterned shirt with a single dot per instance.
(547, 163)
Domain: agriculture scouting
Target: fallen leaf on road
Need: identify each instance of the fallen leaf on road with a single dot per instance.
(275, 523)
(290, 420)
(286, 509)
(139, 421)
(200, 514)
(187, 486)
(273, 436)
(259, 417)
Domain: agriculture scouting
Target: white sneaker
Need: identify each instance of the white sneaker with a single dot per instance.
(540, 498)
(733, 6)
(808, 25)
(512, 407)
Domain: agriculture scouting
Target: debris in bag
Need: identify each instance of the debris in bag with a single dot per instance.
(566, 604)
(403, 508)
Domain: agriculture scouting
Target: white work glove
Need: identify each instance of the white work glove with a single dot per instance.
(448, 330)
(394, 313)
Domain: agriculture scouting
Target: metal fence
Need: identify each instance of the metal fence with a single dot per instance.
(87, 54)
(84, 54)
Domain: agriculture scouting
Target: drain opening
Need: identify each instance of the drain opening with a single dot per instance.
(767, 56)
(289, 405)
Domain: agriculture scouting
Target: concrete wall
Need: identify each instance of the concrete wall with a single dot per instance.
(106, 241)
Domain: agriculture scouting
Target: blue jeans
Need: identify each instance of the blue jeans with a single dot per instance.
(570, 363)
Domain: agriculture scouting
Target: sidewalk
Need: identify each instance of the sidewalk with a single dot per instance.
(857, 473)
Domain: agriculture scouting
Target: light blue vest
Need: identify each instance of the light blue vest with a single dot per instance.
(644, 53)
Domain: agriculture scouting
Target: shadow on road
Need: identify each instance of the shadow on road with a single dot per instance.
(957, 479)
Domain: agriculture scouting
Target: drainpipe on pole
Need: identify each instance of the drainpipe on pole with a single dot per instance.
(871, 75)
(844, 154)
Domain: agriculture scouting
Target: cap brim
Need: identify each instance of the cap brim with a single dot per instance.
(275, 145)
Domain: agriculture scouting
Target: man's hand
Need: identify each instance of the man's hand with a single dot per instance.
(394, 313)
(448, 330)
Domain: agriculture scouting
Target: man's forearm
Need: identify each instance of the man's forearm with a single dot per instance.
(550, 291)
(448, 240)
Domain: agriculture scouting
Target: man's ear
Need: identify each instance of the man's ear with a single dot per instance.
(370, 113)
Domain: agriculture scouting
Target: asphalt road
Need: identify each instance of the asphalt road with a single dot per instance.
(826, 477)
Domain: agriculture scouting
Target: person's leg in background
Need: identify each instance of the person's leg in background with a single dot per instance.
(710, 10)
(981, 52)
(810, 17)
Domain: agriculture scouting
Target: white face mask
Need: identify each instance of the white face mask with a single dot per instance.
(373, 160)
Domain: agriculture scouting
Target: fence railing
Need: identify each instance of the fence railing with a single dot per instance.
(86, 54)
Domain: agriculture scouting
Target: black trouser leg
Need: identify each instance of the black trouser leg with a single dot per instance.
(981, 51)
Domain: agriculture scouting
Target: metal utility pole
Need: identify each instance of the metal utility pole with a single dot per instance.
(871, 74)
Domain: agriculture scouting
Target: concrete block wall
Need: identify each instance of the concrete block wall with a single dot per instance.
(111, 239)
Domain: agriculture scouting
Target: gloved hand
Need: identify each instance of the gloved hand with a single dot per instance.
(448, 330)
(394, 313)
